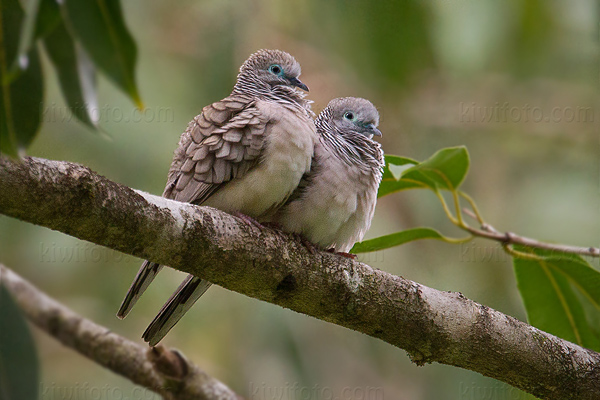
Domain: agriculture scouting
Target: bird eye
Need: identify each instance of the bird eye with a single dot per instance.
(275, 69)
(349, 115)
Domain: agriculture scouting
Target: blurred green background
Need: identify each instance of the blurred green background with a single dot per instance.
(514, 81)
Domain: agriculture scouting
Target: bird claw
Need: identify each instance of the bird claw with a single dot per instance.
(343, 254)
(249, 220)
(310, 246)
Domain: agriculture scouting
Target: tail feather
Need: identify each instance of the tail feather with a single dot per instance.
(190, 290)
(143, 279)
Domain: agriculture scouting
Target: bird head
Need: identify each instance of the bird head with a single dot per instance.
(274, 68)
(353, 114)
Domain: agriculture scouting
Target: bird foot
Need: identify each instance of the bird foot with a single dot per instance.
(310, 246)
(343, 254)
(249, 220)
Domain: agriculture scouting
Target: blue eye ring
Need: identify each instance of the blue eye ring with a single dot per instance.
(349, 115)
(276, 69)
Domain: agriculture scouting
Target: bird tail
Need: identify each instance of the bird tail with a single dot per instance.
(143, 279)
(178, 304)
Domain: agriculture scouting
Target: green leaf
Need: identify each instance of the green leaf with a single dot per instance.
(100, 27)
(19, 366)
(549, 299)
(48, 18)
(21, 97)
(41, 18)
(396, 239)
(585, 278)
(76, 74)
(390, 181)
(446, 169)
(398, 170)
(20, 62)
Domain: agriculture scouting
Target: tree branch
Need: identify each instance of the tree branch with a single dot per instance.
(489, 232)
(432, 326)
(163, 371)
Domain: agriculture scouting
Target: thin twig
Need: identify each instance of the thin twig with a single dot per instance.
(112, 351)
(489, 232)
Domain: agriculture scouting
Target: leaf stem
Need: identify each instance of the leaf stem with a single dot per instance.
(445, 207)
(457, 208)
(474, 207)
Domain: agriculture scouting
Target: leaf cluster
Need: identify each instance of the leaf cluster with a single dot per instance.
(556, 286)
(81, 38)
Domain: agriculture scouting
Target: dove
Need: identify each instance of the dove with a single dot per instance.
(245, 154)
(333, 204)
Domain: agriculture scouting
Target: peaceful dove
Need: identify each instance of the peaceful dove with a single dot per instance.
(334, 203)
(244, 155)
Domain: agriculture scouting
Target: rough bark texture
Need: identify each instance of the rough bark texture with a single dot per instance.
(112, 351)
(432, 326)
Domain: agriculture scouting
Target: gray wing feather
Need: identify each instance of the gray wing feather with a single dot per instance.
(190, 290)
(143, 279)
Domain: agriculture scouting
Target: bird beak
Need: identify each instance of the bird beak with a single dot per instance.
(296, 82)
(374, 130)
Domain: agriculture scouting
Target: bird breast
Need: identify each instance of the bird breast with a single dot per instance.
(337, 207)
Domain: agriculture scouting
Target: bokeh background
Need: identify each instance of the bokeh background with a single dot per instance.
(514, 81)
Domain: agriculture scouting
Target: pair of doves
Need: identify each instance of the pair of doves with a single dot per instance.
(259, 155)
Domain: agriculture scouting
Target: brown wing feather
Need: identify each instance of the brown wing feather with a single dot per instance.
(220, 144)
